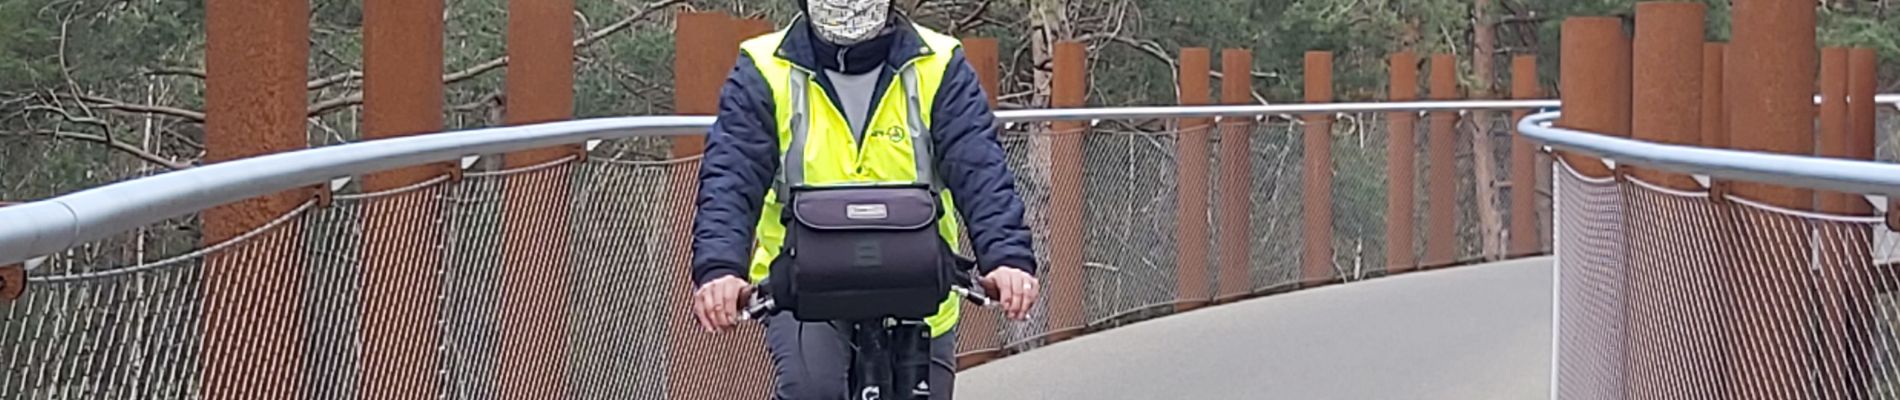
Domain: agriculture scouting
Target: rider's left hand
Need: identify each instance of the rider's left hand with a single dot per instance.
(1017, 290)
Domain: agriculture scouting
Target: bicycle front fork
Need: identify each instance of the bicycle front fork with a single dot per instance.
(893, 359)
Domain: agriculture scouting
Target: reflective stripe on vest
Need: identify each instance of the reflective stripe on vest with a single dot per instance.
(818, 148)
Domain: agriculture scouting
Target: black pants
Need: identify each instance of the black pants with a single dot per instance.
(812, 360)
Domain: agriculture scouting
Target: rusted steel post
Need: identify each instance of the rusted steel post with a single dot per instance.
(1066, 276)
(1441, 223)
(1771, 72)
(1317, 257)
(699, 46)
(1236, 180)
(1401, 166)
(402, 95)
(12, 282)
(1666, 100)
(1862, 86)
(1847, 120)
(535, 258)
(1714, 106)
(1524, 210)
(1191, 230)
(978, 334)
(256, 62)
(706, 47)
(1595, 84)
(1662, 314)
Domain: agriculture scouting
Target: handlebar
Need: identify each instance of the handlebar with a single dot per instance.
(760, 303)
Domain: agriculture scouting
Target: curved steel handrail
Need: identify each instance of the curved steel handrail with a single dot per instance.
(44, 227)
(1843, 175)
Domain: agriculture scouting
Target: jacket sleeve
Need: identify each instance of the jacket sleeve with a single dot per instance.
(976, 170)
(741, 159)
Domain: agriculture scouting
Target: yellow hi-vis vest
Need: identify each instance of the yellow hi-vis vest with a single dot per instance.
(899, 127)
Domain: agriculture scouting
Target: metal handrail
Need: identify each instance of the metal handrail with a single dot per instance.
(48, 226)
(1842, 175)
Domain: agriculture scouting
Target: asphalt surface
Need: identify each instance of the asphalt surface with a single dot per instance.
(1477, 332)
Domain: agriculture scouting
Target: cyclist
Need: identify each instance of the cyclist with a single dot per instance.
(871, 79)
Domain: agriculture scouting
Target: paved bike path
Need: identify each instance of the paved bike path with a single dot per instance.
(1477, 332)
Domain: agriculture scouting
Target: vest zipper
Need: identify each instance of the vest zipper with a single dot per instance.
(858, 156)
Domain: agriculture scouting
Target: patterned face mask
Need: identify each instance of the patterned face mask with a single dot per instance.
(848, 22)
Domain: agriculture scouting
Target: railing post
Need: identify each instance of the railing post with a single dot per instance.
(1595, 84)
(1714, 106)
(1771, 82)
(698, 46)
(1401, 166)
(402, 95)
(256, 60)
(1666, 98)
(1863, 77)
(12, 282)
(1441, 223)
(979, 335)
(706, 49)
(1066, 276)
(1846, 290)
(1236, 177)
(1664, 315)
(1191, 230)
(535, 258)
(1317, 256)
(1525, 214)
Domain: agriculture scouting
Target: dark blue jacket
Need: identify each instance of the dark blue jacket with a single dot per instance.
(742, 155)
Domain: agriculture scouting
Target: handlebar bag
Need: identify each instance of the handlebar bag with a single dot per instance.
(859, 253)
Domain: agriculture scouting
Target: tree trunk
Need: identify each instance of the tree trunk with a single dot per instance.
(1484, 163)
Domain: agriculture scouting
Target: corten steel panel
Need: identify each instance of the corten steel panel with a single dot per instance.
(982, 54)
(1401, 165)
(1770, 78)
(1317, 255)
(1864, 77)
(1192, 229)
(12, 283)
(1524, 209)
(540, 88)
(704, 50)
(1666, 98)
(1236, 179)
(1665, 107)
(1441, 223)
(256, 66)
(1714, 105)
(1847, 291)
(1065, 276)
(979, 336)
(1835, 139)
(1595, 83)
(402, 95)
(1772, 67)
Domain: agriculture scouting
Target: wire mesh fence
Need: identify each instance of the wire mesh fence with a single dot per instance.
(571, 276)
(1665, 293)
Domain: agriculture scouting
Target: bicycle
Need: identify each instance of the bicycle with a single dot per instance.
(895, 351)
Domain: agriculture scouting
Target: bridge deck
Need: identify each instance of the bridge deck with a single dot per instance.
(1478, 332)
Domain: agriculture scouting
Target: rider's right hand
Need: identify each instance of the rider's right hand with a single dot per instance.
(716, 304)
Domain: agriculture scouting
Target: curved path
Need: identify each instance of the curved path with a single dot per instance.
(1476, 332)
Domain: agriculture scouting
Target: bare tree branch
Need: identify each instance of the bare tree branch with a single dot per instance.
(111, 104)
(332, 80)
(123, 147)
(176, 71)
(68, 116)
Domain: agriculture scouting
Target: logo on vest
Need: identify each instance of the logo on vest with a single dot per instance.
(893, 134)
